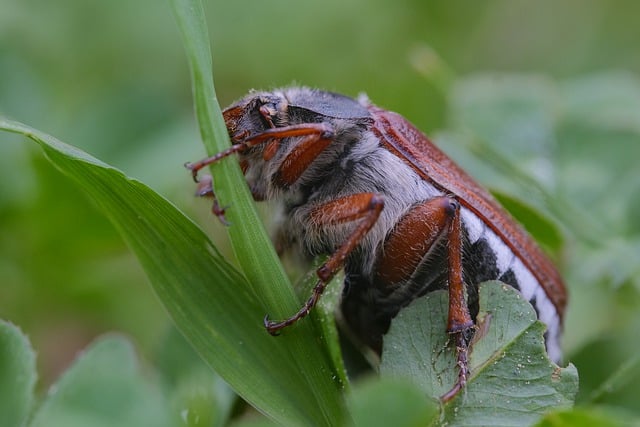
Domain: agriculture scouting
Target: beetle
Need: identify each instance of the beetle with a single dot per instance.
(364, 186)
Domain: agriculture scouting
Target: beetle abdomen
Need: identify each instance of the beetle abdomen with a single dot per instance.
(369, 305)
(487, 257)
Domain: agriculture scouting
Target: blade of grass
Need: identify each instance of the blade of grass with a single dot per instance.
(250, 242)
(210, 302)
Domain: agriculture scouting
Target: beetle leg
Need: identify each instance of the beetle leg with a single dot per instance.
(315, 132)
(317, 136)
(363, 207)
(196, 166)
(419, 232)
(459, 322)
(413, 237)
(205, 189)
(302, 129)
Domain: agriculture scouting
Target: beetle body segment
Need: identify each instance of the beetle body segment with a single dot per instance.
(365, 186)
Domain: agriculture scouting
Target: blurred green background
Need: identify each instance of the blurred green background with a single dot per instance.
(540, 100)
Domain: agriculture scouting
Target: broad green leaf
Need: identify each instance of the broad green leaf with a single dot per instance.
(289, 378)
(104, 387)
(512, 381)
(390, 402)
(17, 375)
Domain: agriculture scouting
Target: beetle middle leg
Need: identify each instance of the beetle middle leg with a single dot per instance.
(363, 207)
(205, 189)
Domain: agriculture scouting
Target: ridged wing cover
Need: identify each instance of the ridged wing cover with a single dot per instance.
(412, 146)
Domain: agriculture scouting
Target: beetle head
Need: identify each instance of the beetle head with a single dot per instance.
(253, 114)
(250, 116)
(261, 111)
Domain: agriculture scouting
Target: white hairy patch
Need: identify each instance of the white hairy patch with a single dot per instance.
(474, 226)
(548, 315)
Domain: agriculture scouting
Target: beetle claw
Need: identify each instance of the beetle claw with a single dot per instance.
(272, 327)
(462, 362)
(205, 187)
(194, 170)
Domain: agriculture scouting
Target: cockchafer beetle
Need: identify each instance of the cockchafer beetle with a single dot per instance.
(364, 186)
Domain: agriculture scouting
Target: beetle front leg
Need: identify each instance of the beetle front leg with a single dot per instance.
(194, 167)
(363, 207)
(315, 138)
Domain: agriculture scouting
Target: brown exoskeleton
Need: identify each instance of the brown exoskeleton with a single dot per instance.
(366, 187)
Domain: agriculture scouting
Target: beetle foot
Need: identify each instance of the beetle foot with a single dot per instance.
(462, 340)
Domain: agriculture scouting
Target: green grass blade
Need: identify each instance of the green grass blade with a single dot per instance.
(210, 302)
(311, 356)
(250, 242)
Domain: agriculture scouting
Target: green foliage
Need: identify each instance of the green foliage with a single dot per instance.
(558, 147)
(388, 401)
(583, 135)
(104, 387)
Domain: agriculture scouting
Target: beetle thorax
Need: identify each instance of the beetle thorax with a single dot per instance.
(354, 163)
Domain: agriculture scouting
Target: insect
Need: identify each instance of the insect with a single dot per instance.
(364, 186)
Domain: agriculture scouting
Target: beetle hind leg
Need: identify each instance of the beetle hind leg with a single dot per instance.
(416, 234)
(459, 322)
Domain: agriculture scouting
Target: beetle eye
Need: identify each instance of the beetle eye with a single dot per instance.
(268, 112)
